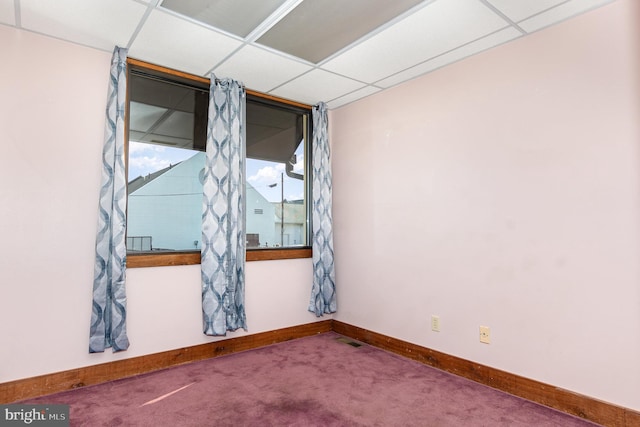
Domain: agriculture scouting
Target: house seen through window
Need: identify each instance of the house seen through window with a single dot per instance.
(166, 156)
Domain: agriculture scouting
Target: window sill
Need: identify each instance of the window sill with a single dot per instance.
(192, 258)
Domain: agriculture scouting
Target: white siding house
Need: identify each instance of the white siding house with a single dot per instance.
(260, 219)
(293, 231)
(167, 207)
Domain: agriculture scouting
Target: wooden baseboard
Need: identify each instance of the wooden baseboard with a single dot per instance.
(563, 400)
(572, 403)
(61, 381)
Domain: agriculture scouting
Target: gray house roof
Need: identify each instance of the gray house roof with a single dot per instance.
(141, 181)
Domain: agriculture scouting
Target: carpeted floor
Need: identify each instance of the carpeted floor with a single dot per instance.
(314, 381)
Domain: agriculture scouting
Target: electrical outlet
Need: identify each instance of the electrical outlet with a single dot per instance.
(435, 323)
(485, 335)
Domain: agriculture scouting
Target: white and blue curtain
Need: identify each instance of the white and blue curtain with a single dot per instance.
(223, 222)
(108, 317)
(323, 291)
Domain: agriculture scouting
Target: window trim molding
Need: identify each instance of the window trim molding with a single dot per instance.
(193, 257)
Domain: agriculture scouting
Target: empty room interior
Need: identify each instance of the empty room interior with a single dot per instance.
(484, 158)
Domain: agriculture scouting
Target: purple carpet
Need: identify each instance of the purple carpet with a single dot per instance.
(315, 381)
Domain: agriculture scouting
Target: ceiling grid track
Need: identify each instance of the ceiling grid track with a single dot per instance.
(303, 50)
(152, 5)
(16, 12)
(503, 16)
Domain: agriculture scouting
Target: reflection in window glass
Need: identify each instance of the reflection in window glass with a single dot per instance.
(165, 198)
(271, 191)
(167, 136)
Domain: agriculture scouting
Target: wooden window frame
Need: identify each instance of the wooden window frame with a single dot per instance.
(193, 257)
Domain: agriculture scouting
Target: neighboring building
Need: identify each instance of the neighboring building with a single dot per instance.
(293, 232)
(165, 212)
(260, 218)
(166, 207)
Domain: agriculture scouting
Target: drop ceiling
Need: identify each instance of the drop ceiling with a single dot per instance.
(337, 51)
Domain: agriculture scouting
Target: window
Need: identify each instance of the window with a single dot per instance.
(167, 129)
(275, 166)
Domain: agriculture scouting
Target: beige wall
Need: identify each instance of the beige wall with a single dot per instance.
(52, 103)
(504, 191)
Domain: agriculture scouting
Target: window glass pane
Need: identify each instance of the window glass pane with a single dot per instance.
(276, 208)
(165, 199)
(270, 192)
(167, 138)
(166, 161)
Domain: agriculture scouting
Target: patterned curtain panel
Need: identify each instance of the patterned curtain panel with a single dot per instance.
(323, 292)
(223, 239)
(108, 318)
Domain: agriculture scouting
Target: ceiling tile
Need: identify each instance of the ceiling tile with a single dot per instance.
(243, 66)
(98, 23)
(560, 13)
(233, 16)
(431, 31)
(484, 43)
(517, 10)
(173, 42)
(142, 116)
(314, 30)
(353, 96)
(317, 85)
(7, 12)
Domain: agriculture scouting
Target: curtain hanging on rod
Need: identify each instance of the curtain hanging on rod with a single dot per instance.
(323, 292)
(108, 316)
(223, 222)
